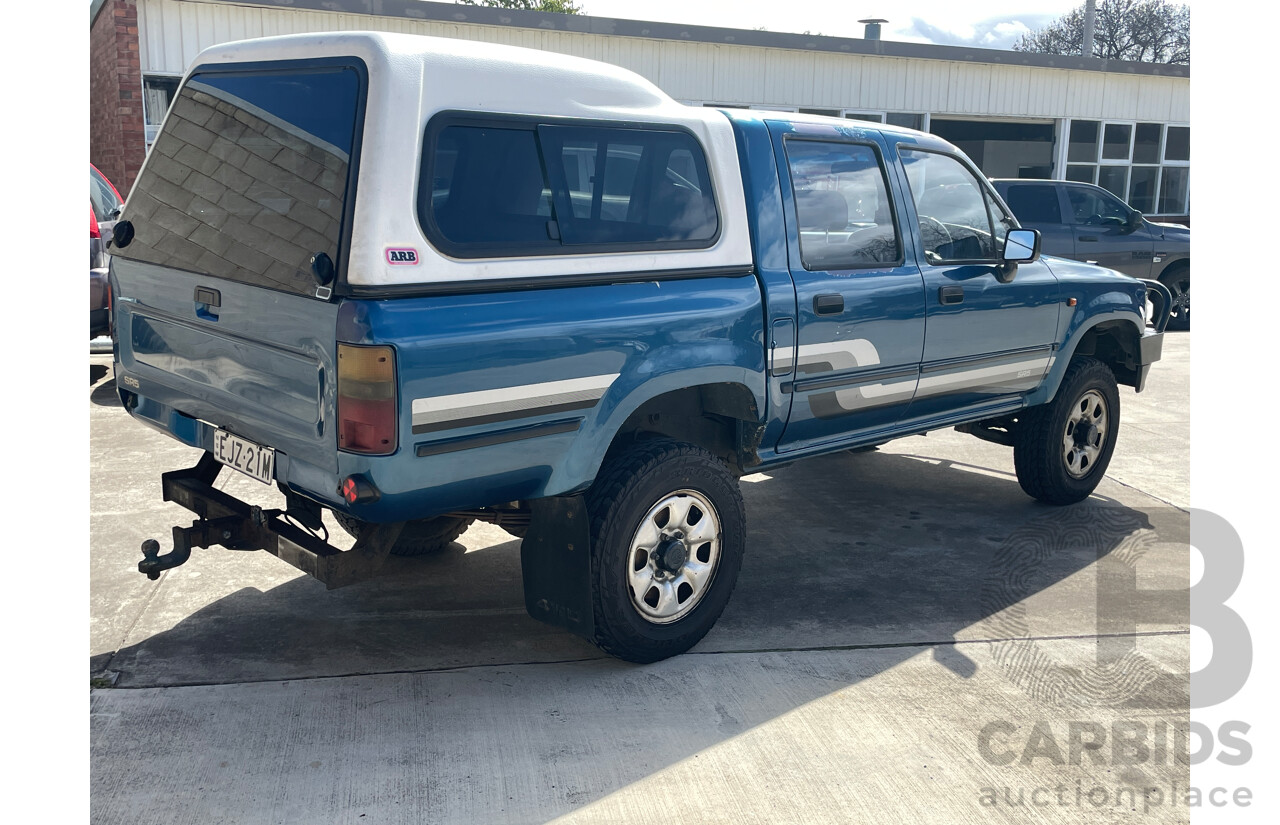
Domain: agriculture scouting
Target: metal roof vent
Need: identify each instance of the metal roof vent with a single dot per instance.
(872, 31)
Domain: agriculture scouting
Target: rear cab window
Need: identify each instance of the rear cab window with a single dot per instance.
(495, 187)
(252, 174)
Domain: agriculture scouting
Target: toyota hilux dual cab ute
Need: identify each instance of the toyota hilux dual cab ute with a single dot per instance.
(420, 282)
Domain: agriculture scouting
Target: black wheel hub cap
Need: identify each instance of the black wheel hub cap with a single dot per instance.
(671, 555)
(1085, 432)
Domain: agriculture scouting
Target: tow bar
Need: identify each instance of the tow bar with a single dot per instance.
(225, 520)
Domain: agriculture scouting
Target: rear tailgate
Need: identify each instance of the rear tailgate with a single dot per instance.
(219, 315)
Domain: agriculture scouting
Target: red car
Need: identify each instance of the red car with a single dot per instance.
(104, 208)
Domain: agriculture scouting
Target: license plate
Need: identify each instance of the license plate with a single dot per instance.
(254, 460)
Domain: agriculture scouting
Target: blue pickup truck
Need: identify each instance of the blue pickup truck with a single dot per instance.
(421, 282)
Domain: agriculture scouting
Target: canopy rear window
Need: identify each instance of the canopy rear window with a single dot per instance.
(250, 176)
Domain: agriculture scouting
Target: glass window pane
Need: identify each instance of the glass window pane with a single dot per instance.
(908, 119)
(954, 222)
(1083, 145)
(1146, 143)
(1034, 203)
(1115, 141)
(1142, 188)
(823, 112)
(248, 179)
(1082, 174)
(1177, 143)
(842, 206)
(157, 94)
(488, 188)
(1173, 190)
(1093, 208)
(654, 186)
(102, 198)
(874, 118)
(1114, 179)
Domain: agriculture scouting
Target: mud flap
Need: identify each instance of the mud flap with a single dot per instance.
(555, 559)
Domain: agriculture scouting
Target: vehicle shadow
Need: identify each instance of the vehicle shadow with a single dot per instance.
(888, 555)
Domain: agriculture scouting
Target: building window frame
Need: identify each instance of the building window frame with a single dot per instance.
(1073, 170)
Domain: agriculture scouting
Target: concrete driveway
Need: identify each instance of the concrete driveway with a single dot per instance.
(911, 639)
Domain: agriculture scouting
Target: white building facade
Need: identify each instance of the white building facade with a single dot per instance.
(1124, 126)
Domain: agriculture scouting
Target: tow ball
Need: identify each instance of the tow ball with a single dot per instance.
(201, 533)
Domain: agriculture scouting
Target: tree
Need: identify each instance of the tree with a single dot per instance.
(561, 6)
(1152, 31)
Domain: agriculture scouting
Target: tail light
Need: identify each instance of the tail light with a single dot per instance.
(366, 399)
(93, 225)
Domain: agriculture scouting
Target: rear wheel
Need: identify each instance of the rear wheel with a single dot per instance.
(1062, 448)
(668, 528)
(1178, 280)
(419, 538)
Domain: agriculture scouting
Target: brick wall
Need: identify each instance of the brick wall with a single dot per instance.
(233, 194)
(117, 135)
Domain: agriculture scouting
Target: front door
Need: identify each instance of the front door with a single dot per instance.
(987, 341)
(1102, 233)
(860, 299)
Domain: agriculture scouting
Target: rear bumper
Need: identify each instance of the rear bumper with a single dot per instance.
(225, 520)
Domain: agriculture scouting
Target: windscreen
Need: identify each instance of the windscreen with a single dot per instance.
(248, 178)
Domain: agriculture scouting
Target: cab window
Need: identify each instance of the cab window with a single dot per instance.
(842, 206)
(958, 219)
(1096, 208)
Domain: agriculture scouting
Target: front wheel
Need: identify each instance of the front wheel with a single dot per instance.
(1062, 448)
(668, 528)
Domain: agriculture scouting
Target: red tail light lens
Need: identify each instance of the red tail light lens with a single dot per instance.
(366, 399)
(93, 225)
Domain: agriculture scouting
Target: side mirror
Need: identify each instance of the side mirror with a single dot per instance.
(1021, 246)
(1135, 221)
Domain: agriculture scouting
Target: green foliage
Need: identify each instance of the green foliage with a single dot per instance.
(1152, 31)
(561, 6)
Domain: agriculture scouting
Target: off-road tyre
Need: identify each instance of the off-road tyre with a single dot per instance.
(1039, 449)
(419, 538)
(1178, 279)
(632, 482)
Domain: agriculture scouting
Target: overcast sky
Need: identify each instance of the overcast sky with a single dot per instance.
(991, 24)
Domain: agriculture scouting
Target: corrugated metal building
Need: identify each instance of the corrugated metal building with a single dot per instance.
(1124, 126)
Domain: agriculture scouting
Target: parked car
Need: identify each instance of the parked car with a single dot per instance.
(1087, 223)
(582, 323)
(104, 209)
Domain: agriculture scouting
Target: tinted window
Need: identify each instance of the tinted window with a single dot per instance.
(1146, 143)
(1034, 204)
(842, 205)
(488, 189)
(1173, 190)
(1114, 179)
(1177, 143)
(1142, 188)
(248, 179)
(628, 186)
(521, 188)
(1094, 208)
(1115, 142)
(1083, 144)
(955, 224)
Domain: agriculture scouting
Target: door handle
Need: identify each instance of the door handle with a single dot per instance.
(829, 304)
(951, 294)
(1091, 238)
